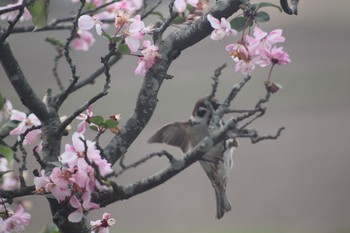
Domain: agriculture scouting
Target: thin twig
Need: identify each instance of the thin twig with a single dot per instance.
(61, 98)
(256, 138)
(55, 73)
(8, 31)
(143, 160)
(105, 61)
(157, 34)
(215, 78)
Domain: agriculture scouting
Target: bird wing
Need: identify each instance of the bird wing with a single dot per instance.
(174, 134)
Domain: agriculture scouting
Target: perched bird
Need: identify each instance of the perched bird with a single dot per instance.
(216, 162)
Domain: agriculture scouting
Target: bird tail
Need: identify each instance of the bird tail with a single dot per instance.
(223, 205)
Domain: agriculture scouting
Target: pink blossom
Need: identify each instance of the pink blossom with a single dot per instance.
(56, 184)
(86, 22)
(10, 16)
(41, 182)
(103, 225)
(181, 5)
(238, 51)
(245, 67)
(75, 154)
(221, 28)
(59, 185)
(129, 6)
(25, 123)
(263, 40)
(85, 179)
(78, 214)
(83, 41)
(134, 33)
(85, 118)
(274, 56)
(95, 2)
(17, 222)
(150, 53)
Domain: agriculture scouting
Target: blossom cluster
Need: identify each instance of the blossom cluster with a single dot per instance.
(132, 29)
(78, 178)
(13, 221)
(259, 49)
(80, 174)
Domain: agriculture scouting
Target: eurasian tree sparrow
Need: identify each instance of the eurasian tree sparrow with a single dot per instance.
(216, 162)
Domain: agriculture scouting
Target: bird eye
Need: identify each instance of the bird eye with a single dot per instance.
(216, 105)
(201, 112)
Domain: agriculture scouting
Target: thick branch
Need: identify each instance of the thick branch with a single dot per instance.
(19, 82)
(11, 194)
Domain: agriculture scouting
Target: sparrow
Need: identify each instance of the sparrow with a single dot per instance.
(217, 162)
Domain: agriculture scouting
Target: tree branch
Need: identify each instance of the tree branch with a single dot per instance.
(8, 31)
(20, 84)
(290, 10)
(143, 160)
(11, 194)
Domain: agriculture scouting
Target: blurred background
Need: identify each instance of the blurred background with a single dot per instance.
(299, 183)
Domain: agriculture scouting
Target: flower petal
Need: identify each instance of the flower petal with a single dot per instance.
(86, 22)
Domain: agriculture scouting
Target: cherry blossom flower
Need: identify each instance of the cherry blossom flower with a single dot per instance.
(16, 222)
(25, 123)
(134, 33)
(56, 184)
(238, 51)
(75, 155)
(263, 40)
(102, 226)
(10, 16)
(87, 205)
(86, 22)
(94, 2)
(129, 6)
(121, 18)
(181, 5)
(274, 56)
(40, 182)
(222, 28)
(85, 118)
(5, 112)
(150, 53)
(83, 41)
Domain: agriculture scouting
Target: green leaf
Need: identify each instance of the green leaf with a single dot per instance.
(262, 16)
(111, 123)
(160, 15)
(7, 153)
(97, 120)
(239, 23)
(268, 4)
(179, 20)
(57, 164)
(39, 11)
(124, 49)
(55, 42)
(93, 127)
(2, 101)
(7, 127)
(49, 229)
